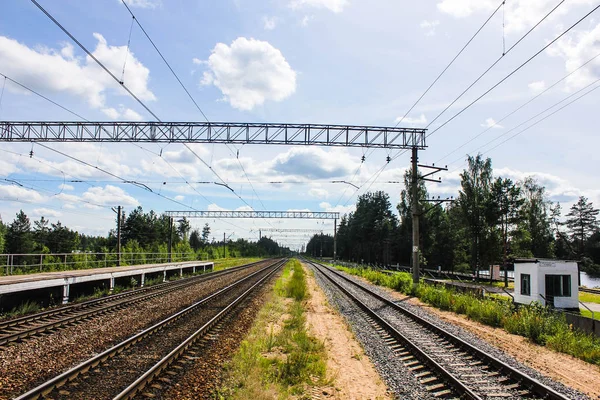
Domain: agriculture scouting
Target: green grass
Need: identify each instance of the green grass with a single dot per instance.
(234, 262)
(537, 323)
(589, 297)
(278, 359)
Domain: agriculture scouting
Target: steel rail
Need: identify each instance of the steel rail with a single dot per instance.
(58, 381)
(88, 309)
(524, 379)
(444, 374)
(132, 390)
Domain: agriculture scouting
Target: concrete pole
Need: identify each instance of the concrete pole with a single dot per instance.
(415, 217)
(118, 236)
(170, 241)
(223, 244)
(334, 240)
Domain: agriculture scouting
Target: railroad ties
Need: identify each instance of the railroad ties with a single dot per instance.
(444, 365)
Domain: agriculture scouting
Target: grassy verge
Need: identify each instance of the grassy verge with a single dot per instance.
(589, 297)
(234, 262)
(536, 323)
(278, 359)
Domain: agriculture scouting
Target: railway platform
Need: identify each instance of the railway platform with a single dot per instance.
(21, 283)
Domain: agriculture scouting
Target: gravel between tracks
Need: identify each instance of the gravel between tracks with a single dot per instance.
(470, 338)
(27, 364)
(397, 377)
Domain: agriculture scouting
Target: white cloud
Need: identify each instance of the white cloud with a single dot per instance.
(537, 87)
(59, 71)
(576, 50)
(109, 195)
(142, 3)
(336, 6)
(413, 121)
(179, 198)
(64, 186)
(123, 113)
(249, 72)
(17, 193)
(307, 18)
(46, 212)
(429, 27)
(269, 23)
(490, 123)
(339, 208)
(318, 193)
(520, 14)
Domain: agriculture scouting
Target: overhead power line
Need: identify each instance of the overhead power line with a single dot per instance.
(451, 62)
(515, 70)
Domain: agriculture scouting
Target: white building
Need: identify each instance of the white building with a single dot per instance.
(549, 282)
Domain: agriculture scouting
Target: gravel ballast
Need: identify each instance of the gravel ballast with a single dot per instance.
(354, 318)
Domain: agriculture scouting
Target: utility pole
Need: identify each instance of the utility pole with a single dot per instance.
(415, 217)
(119, 218)
(223, 244)
(321, 245)
(334, 239)
(170, 242)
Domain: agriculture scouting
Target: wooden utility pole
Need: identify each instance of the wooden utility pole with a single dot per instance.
(415, 217)
(223, 244)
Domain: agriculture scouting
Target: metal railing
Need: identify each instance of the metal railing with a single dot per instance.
(46, 262)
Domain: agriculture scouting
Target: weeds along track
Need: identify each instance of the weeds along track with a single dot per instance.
(51, 320)
(126, 368)
(444, 365)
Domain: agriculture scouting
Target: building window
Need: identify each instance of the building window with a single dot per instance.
(526, 284)
(558, 285)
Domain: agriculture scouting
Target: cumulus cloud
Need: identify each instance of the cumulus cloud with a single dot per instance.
(269, 23)
(109, 195)
(306, 19)
(46, 212)
(249, 72)
(490, 123)
(429, 27)
(123, 113)
(318, 193)
(421, 120)
(520, 14)
(64, 186)
(337, 6)
(59, 71)
(17, 193)
(537, 86)
(311, 163)
(339, 208)
(575, 51)
(179, 197)
(142, 3)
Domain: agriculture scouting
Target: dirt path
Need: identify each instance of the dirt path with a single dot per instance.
(568, 370)
(353, 373)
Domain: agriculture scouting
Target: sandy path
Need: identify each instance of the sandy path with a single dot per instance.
(353, 373)
(566, 369)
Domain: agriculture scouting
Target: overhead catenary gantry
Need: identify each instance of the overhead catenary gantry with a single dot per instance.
(263, 214)
(214, 132)
(393, 138)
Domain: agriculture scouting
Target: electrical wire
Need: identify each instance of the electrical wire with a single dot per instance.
(515, 70)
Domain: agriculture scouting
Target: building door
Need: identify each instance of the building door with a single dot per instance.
(550, 291)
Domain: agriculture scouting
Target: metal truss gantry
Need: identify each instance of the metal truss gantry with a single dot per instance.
(254, 214)
(283, 230)
(214, 132)
(263, 214)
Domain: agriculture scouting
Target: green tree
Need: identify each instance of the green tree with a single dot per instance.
(582, 222)
(537, 219)
(195, 240)
(183, 228)
(474, 200)
(19, 238)
(205, 234)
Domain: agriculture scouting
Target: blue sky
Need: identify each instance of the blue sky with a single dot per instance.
(314, 61)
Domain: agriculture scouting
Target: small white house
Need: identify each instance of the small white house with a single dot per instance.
(550, 282)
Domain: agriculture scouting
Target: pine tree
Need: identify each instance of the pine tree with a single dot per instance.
(582, 222)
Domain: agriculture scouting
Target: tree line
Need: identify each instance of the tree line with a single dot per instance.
(141, 232)
(493, 220)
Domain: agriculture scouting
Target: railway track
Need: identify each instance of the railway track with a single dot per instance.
(50, 320)
(445, 365)
(125, 369)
